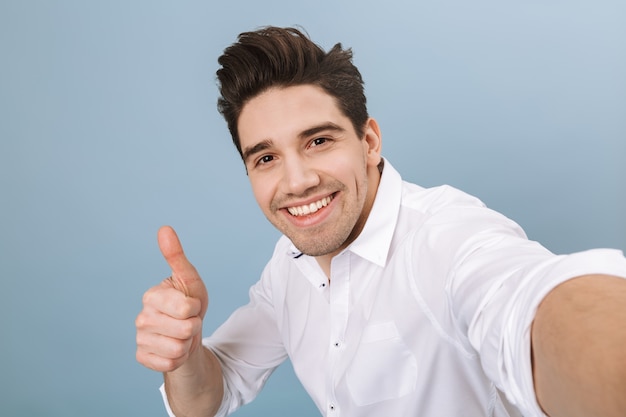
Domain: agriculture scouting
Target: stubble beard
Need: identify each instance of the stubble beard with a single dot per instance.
(325, 239)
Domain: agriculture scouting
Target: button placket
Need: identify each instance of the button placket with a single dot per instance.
(339, 296)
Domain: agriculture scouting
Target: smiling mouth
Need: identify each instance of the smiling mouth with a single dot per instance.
(309, 208)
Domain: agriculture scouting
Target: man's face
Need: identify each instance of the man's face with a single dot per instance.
(314, 179)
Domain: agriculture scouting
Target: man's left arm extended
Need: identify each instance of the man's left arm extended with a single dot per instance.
(579, 348)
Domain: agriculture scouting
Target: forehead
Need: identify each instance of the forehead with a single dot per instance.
(283, 112)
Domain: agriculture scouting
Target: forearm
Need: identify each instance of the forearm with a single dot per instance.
(196, 388)
(579, 348)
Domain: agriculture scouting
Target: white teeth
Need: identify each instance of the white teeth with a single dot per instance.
(310, 208)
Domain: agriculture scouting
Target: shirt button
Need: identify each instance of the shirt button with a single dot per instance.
(337, 344)
(331, 407)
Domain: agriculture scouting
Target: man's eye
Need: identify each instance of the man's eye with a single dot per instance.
(318, 141)
(265, 159)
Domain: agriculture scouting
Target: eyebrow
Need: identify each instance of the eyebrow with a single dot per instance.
(267, 143)
(254, 149)
(328, 126)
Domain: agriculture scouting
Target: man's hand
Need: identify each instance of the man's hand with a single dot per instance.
(169, 327)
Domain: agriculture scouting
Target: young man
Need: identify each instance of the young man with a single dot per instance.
(389, 299)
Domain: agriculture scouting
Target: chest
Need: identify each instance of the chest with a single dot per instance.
(367, 336)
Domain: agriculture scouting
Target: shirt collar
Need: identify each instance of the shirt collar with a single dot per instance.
(374, 241)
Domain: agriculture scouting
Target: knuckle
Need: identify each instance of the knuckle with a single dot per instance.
(168, 358)
(142, 358)
(146, 359)
(140, 321)
(182, 310)
(169, 365)
(177, 351)
(152, 295)
(187, 329)
(186, 309)
(147, 297)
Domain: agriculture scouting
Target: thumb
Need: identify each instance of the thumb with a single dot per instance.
(184, 278)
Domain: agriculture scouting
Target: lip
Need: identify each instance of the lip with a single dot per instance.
(310, 219)
(308, 201)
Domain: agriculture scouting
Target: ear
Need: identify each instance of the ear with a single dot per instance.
(372, 140)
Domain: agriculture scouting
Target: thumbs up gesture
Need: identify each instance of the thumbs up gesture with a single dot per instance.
(169, 327)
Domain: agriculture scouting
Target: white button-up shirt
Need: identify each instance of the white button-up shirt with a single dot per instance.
(428, 313)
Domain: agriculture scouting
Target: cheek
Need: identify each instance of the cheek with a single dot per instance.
(263, 193)
(352, 173)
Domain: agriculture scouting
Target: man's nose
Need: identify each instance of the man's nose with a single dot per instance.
(298, 176)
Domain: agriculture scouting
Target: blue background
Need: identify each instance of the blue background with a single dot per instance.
(108, 129)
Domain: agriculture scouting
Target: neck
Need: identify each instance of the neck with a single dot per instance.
(324, 263)
(374, 175)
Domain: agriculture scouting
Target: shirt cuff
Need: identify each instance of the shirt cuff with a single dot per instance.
(166, 402)
(222, 412)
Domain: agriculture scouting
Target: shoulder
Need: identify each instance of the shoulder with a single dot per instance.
(433, 199)
(452, 209)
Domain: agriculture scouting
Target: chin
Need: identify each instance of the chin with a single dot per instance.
(317, 248)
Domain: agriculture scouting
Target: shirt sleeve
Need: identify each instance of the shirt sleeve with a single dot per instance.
(248, 346)
(495, 280)
(507, 342)
(166, 402)
(221, 412)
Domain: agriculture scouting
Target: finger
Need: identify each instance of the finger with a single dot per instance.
(150, 322)
(172, 250)
(184, 275)
(164, 346)
(157, 363)
(171, 302)
(162, 353)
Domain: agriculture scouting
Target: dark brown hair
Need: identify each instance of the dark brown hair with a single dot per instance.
(283, 57)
